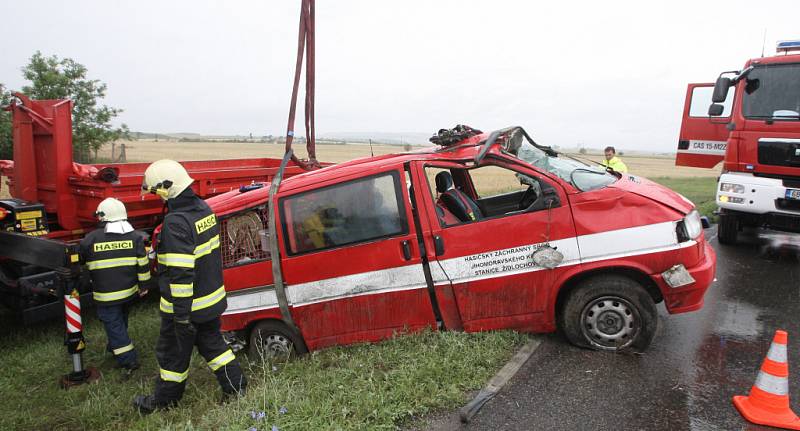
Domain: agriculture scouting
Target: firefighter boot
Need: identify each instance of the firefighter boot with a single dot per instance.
(128, 370)
(146, 404)
(231, 395)
(232, 382)
(128, 367)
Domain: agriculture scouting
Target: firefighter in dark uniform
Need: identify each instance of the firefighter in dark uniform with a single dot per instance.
(192, 293)
(116, 258)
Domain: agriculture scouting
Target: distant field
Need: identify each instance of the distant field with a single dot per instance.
(488, 180)
(653, 167)
(659, 167)
(148, 150)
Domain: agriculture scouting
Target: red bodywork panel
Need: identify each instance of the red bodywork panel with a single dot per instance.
(742, 155)
(479, 273)
(702, 139)
(705, 141)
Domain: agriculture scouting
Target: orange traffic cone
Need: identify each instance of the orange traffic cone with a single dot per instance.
(768, 402)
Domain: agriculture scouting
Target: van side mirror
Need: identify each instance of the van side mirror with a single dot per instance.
(721, 89)
(715, 110)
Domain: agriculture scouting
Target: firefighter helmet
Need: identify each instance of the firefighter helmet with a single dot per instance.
(111, 209)
(166, 178)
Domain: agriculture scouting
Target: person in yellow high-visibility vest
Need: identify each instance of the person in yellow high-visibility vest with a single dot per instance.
(612, 161)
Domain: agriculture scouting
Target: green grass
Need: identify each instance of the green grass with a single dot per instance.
(700, 190)
(370, 386)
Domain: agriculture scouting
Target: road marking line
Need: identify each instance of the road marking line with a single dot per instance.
(500, 379)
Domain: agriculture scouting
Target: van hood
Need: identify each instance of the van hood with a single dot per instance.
(654, 191)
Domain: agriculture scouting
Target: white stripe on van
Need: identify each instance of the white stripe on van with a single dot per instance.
(260, 299)
(615, 244)
(366, 283)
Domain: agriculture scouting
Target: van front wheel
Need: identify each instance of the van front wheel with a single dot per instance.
(609, 312)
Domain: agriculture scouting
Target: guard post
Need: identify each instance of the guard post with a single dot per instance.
(68, 285)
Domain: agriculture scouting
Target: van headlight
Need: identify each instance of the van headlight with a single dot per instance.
(693, 224)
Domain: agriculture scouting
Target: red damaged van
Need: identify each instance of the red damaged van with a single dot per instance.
(484, 232)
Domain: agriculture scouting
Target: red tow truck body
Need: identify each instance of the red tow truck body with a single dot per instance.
(368, 248)
(54, 200)
(755, 132)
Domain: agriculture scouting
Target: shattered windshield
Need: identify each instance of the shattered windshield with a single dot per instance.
(582, 176)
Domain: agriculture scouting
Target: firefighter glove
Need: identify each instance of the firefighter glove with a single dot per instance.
(145, 288)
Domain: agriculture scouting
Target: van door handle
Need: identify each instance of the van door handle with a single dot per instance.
(406, 249)
(438, 244)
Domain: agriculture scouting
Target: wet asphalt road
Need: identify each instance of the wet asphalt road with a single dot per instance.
(686, 379)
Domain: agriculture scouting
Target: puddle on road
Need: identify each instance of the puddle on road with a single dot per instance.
(779, 245)
(756, 294)
(738, 320)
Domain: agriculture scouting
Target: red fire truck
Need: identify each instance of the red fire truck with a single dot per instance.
(487, 231)
(750, 119)
(54, 199)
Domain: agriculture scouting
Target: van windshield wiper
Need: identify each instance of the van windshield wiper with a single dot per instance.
(582, 160)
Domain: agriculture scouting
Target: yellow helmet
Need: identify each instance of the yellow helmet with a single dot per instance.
(111, 210)
(166, 178)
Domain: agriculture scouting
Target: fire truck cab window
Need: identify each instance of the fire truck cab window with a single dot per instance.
(771, 93)
(347, 213)
(701, 100)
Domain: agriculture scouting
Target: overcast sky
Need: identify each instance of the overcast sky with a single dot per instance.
(597, 73)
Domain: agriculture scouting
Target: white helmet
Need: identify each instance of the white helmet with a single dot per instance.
(166, 178)
(111, 210)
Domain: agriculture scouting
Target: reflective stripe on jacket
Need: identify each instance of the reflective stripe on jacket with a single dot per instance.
(189, 260)
(117, 263)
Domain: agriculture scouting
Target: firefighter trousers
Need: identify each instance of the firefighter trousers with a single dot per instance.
(174, 352)
(115, 321)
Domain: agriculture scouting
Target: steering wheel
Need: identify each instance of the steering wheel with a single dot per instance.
(528, 198)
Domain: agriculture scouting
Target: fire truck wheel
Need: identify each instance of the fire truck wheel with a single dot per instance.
(609, 312)
(273, 340)
(728, 229)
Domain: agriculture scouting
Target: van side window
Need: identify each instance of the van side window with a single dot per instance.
(470, 195)
(355, 211)
(244, 237)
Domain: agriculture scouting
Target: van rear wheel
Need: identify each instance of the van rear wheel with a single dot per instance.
(273, 340)
(609, 312)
